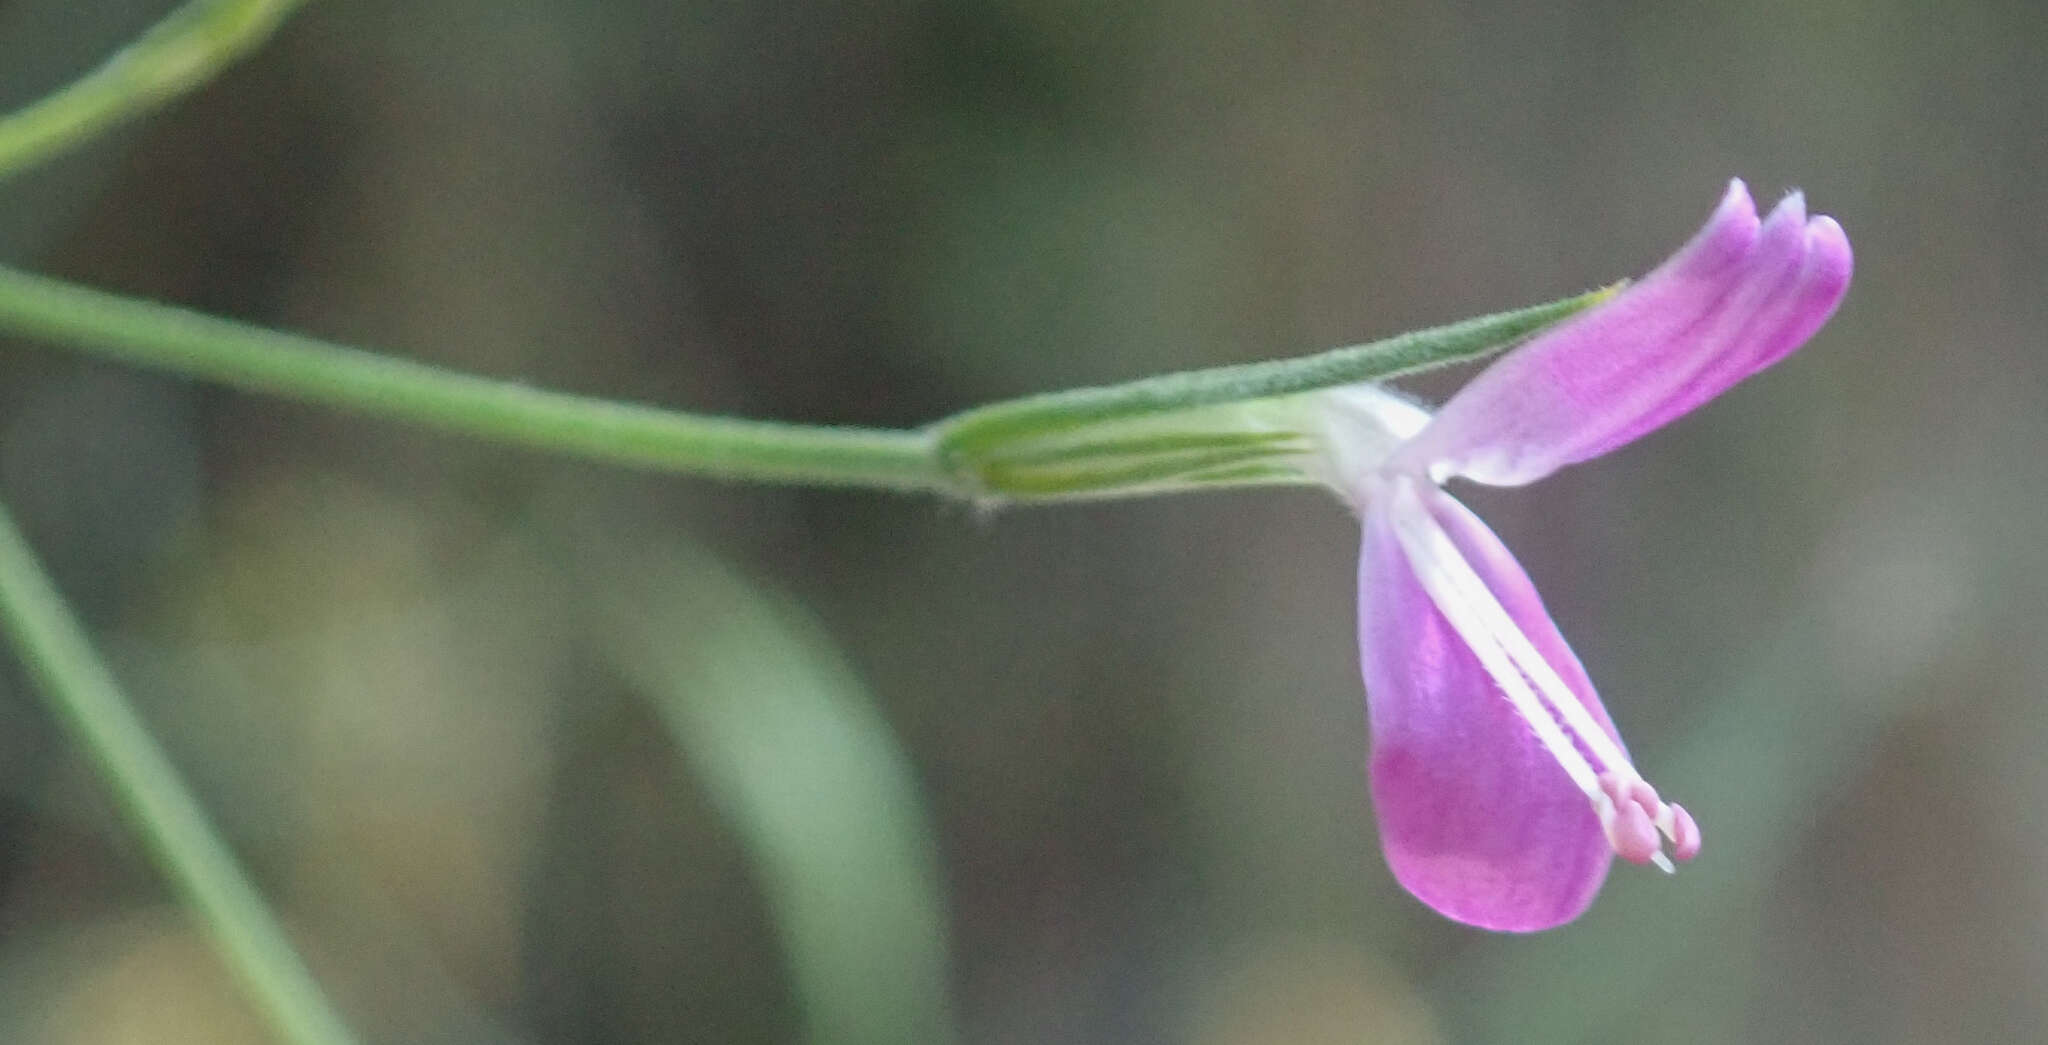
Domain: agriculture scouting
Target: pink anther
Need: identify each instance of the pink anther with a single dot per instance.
(1685, 835)
(1619, 789)
(1645, 795)
(1631, 815)
(1632, 834)
(1630, 826)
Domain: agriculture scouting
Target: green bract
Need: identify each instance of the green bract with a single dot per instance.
(1245, 425)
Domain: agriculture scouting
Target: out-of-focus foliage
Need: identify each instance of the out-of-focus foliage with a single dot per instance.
(1135, 729)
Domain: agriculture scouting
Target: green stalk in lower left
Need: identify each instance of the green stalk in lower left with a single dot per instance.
(147, 788)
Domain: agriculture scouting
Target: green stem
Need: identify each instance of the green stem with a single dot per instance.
(967, 455)
(179, 53)
(148, 789)
(167, 338)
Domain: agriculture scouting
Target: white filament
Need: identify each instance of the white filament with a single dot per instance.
(1472, 590)
(1426, 545)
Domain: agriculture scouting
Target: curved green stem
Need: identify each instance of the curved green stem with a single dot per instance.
(181, 52)
(174, 339)
(1131, 438)
(149, 791)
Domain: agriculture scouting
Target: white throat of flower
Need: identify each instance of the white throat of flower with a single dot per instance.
(1361, 426)
(1630, 813)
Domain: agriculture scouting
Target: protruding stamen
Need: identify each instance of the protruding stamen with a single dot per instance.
(1632, 816)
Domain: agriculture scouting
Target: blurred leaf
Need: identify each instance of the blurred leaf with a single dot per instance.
(791, 747)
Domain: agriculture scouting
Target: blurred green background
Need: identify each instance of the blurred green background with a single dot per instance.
(531, 750)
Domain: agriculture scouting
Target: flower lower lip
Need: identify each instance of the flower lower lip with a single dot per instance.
(1631, 814)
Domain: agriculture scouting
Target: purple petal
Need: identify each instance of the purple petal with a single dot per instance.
(1737, 298)
(1477, 819)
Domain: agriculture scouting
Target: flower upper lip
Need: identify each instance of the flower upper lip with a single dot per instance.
(1739, 296)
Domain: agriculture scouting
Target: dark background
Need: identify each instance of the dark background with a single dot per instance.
(530, 749)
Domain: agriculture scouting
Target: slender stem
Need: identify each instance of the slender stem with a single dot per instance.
(252, 358)
(181, 52)
(148, 789)
(968, 455)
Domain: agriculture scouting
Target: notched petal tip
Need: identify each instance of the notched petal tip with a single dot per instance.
(1793, 206)
(1732, 224)
(1721, 242)
(1737, 208)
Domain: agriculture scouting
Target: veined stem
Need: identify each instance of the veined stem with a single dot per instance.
(179, 53)
(148, 790)
(167, 338)
(967, 455)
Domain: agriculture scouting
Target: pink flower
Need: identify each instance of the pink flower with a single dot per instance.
(1502, 788)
